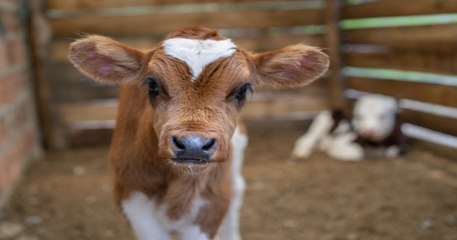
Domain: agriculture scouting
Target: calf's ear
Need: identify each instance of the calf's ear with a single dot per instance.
(104, 59)
(290, 67)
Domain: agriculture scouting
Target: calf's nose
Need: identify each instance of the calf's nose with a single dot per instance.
(193, 148)
(369, 133)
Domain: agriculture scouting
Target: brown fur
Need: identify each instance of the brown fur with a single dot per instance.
(140, 152)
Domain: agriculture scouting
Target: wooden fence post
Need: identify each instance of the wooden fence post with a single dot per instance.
(333, 40)
(39, 37)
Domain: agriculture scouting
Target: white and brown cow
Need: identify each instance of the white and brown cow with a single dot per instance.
(374, 125)
(178, 145)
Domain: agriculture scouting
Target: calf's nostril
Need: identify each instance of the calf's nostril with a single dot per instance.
(178, 143)
(209, 145)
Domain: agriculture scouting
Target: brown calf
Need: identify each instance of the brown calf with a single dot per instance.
(178, 145)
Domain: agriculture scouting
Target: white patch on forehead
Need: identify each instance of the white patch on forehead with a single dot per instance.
(375, 104)
(198, 53)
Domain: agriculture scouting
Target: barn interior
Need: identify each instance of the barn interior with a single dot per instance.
(56, 124)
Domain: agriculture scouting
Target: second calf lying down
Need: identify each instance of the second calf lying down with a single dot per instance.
(375, 124)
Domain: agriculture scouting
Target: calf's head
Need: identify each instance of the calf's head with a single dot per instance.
(375, 116)
(191, 87)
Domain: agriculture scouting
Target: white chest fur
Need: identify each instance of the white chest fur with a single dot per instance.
(150, 221)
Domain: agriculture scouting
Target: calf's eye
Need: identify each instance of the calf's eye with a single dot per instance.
(154, 89)
(240, 94)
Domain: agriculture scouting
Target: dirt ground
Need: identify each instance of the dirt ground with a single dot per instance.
(68, 195)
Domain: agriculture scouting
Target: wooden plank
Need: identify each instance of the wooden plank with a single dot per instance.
(69, 85)
(426, 92)
(333, 41)
(84, 90)
(75, 113)
(425, 61)
(59, 49)
(89, 137)
(282, 107)
(144, 24)
(436, 36)
(268, 43)
(10, 6)
(436, 148)
(431, 121)
(318, 88)
(100, 4)
(50, 127)
(399, 8)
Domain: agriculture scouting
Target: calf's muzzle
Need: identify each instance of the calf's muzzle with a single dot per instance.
(193, 149)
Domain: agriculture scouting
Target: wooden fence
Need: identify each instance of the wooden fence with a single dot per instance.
(373, 48)
(411, 59)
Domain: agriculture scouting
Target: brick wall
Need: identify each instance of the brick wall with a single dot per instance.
(18, 129)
